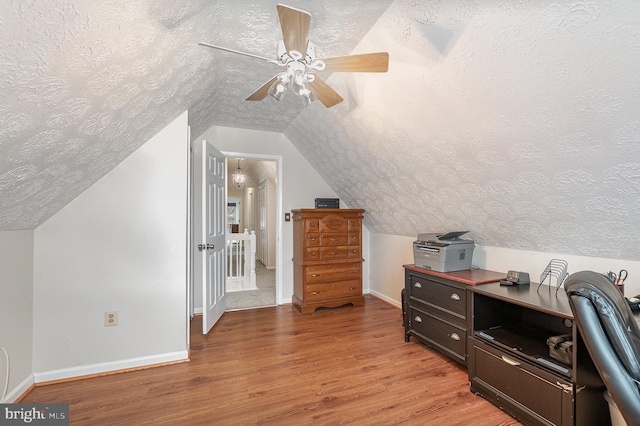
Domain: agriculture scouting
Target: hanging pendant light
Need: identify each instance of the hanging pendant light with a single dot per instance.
(238, 178)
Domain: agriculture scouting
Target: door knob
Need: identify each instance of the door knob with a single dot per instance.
(209, 246)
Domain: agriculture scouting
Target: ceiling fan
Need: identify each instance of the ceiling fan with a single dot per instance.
(297, 54)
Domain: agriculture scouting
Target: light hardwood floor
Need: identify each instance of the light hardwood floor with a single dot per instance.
(274, 366)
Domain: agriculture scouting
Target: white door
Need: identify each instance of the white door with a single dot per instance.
(210, 259)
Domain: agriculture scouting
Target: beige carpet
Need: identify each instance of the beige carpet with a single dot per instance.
(249, 299)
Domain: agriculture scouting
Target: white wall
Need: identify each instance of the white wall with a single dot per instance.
(533, 262)
(301, 184)
(121, 246)
(390, 252)
(16, 311)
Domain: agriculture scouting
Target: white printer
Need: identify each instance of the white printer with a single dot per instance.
(443, 252)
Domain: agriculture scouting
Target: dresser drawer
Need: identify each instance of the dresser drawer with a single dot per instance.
(333, 253)
(332, 290)
(324, 273)
(354, 238)
(445, 336)
(312, 253)
(354, 253)
(312, 239)
(311, 225)
(333, 223)
(334, 239)
(440, 296)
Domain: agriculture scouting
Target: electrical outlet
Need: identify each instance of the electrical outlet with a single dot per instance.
(110, 318)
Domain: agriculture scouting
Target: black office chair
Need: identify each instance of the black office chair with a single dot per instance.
(611, 335)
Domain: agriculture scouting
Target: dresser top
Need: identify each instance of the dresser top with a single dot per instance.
(328, 211)
(468, 276)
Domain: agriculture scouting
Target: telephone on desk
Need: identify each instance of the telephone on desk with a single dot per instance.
(516, 278)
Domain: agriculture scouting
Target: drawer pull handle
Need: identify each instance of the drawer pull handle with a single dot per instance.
(334, 253)
(418, 319)
(510, 361)
(455, 336)
(353, 272)
(315, 275)
(352, 288)
(315, 292)
(417, 285)
(334, 239)
(454, 296)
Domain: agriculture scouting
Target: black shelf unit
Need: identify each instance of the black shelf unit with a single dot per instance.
(509, 361)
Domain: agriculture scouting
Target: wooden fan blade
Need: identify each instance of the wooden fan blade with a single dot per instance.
(263, 91)
(325, 93)
(295, 28)
(235, 51)
(368, 62)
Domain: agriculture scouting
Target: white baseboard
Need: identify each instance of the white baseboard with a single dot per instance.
(387, 299)
(18, 391)
(106, 367)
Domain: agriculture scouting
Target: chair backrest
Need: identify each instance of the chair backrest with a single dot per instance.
(612, 337)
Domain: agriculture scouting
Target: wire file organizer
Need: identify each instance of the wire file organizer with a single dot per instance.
(556, 269)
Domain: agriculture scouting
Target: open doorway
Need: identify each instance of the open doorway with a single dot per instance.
(251, 233)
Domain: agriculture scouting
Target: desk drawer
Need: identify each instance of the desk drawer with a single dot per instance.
(441, 296)
(445, 336)
(501, 376)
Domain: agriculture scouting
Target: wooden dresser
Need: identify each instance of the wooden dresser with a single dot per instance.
(327, 258)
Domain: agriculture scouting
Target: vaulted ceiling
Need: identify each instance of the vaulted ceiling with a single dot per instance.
(513, 119)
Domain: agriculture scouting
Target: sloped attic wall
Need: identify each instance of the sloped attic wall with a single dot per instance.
(517, 121)
(83, 83)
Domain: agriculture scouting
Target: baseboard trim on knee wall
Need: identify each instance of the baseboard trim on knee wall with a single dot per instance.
(106, 368)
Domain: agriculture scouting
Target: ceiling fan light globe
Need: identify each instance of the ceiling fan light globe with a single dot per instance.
(309, 97)
(278, 88)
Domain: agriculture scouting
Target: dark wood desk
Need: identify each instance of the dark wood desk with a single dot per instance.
(436, 305)
(509, 362)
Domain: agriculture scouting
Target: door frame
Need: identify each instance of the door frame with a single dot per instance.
(278, 160)
(190, 231)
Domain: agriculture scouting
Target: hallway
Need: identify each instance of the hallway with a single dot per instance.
(264, 296)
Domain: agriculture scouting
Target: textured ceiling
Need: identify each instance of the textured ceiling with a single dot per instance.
(514, 119)
(255, 171)
(84, 84)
